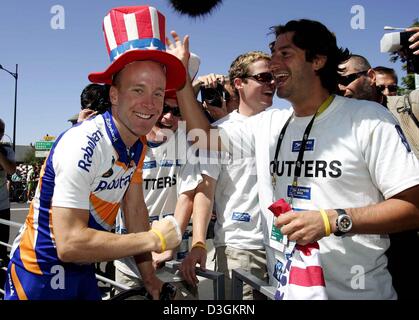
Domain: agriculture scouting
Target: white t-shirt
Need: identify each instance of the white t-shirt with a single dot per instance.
(238, 221)
(4, 193)
(356, 156)
(166, 174)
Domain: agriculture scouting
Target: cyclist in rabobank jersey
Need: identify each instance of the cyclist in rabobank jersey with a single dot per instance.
(94, 169)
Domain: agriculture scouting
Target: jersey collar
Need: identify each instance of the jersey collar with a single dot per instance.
(125, 155)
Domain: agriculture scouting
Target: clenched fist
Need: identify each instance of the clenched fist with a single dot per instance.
(169, 230)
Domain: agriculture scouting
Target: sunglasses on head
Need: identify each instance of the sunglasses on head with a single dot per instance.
(346, 80)
(390, 87)
(263, 77)
(174, 110)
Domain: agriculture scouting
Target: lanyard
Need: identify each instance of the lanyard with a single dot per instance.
(298, 164)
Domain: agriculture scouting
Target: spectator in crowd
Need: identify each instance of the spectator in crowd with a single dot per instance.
(93, 170)
(386, 80)
(358, 80)
(217, 95)
(238, 228)
(331, 152)
(7, 166)
(406, 109)
(30, 183)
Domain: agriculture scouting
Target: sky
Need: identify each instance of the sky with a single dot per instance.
(54, 63)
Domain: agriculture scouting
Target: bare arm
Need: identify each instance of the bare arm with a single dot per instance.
(182, 215)
(202, 211)
(183, 211)
(136, 219)
(192, 111)
(202, 208)
(78, 243)
(396, 214)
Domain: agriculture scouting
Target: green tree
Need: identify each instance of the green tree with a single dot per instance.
(31, 159)
(408, 81)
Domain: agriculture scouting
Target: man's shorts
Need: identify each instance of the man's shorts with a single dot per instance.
(65, 284)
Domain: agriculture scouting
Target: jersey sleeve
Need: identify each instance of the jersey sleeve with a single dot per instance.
(74, 162)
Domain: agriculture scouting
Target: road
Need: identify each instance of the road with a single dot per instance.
(18, 214)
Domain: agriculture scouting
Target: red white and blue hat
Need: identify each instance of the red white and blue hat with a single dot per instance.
(136, 34)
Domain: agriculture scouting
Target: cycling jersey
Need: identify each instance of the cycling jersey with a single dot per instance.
(89, 167)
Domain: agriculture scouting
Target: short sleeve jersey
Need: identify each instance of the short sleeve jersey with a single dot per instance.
(89, 167)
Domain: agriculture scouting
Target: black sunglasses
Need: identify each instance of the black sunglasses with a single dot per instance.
(174, 110)
(263, 77)
(390, 87)
(346, 80)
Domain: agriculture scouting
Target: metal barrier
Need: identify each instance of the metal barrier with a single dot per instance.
(171, 266)
(239, 276)
(216, 277)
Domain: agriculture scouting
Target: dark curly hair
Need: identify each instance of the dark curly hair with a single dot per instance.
(316, 39)
(96, 97)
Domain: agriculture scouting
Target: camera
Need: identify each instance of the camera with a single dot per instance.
(95, 97)
(399, 42)
(213, 96)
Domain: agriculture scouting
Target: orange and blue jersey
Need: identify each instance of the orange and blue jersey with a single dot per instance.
(89, 167)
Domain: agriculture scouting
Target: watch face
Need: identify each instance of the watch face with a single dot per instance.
(344, 223)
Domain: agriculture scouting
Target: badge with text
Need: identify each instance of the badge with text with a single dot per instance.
(277, 240)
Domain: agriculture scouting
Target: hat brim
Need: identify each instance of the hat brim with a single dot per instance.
(175, 71)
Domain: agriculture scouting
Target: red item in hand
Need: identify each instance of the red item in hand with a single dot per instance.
(279, 207)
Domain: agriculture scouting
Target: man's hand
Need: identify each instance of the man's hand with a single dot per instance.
(211, 80)
(153, 285)
(179, 49)
(414, 39)
(86, 114)
(160, 258)
(303, 226)
(187, 268)
(170, 231)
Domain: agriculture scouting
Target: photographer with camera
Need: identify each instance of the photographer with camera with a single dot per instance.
(217, 95)
(7, 166)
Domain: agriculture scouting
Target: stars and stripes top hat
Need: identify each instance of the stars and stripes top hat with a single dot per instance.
(137, 33)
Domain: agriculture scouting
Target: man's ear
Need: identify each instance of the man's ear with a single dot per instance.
(238, 83)
(372, 75)
(319, 62)
(113, 95)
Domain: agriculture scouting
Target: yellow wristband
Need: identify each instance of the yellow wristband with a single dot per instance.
(162, 239)
(326, 222)
(200, 244)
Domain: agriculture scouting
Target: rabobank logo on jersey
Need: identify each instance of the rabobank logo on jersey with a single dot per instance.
(88, 150)
(119, 183)
(111, 129)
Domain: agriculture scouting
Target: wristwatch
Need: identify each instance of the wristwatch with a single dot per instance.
(343, 223)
